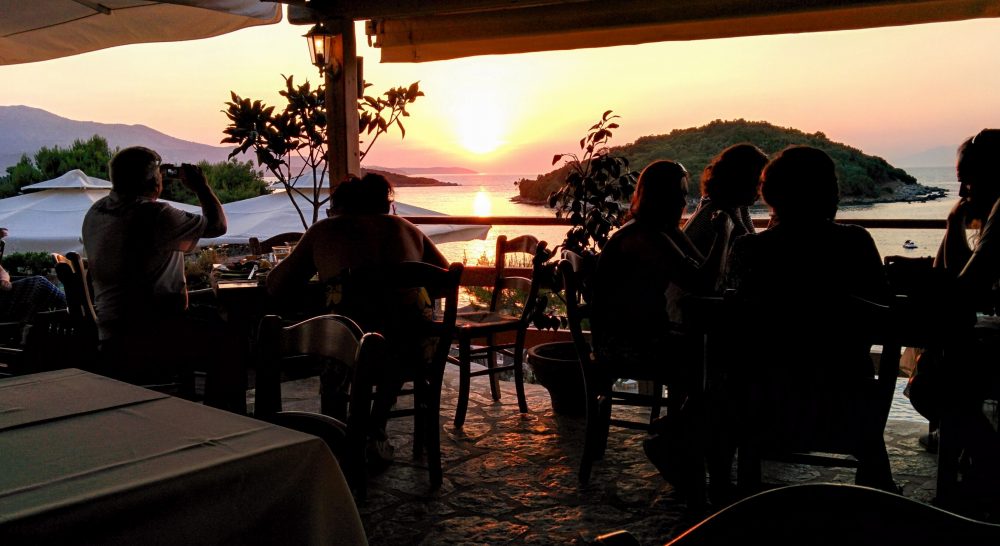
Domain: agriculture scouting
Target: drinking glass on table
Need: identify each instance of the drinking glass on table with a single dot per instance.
(281, 252)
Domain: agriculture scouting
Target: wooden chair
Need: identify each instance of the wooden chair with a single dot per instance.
(340, 342)
(488, 327)
(74, 337)
(798, 407)
(263, 247)
(70, 336)
(366, 294)
(601, 397)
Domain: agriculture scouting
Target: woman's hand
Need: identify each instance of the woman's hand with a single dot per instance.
(5, 285)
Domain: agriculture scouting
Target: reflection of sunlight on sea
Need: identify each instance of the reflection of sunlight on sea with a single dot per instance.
(494, 191)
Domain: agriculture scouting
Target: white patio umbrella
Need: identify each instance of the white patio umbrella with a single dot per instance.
(269, 215)
(38, 30)
(50, 218)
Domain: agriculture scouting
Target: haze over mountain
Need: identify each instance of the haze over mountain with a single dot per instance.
(24, 130)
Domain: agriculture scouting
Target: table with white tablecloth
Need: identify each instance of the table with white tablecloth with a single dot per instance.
(85, 459)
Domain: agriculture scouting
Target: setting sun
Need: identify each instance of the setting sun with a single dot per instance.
(481, 203)
(479, 125)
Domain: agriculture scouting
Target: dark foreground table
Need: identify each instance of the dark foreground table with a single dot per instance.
(89, 460)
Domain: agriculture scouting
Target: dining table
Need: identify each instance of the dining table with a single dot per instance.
(85, 459)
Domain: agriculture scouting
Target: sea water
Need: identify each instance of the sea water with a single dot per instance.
(490, 194)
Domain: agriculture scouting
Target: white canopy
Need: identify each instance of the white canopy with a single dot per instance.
(38, 30)
(74, 179)
(269, 215)
(51, 220)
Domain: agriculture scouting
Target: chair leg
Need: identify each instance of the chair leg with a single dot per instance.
(605, 405)
(432, 420)
(491, 363)
(420, 404)
(464, 383)
(596, 436)
(589, 438)
(654, 413)
(949, 451)
(522, 401)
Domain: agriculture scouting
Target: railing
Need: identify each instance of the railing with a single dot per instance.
(484, 276)
(872, 223)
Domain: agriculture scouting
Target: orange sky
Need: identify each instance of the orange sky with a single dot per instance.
(890, 92)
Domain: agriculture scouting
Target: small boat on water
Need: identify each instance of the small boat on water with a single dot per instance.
(909, 244)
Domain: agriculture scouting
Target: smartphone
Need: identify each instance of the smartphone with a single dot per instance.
(170, 171)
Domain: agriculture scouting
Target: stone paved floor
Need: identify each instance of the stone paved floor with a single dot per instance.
(510, 478)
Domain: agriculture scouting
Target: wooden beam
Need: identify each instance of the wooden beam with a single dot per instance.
(342, 106)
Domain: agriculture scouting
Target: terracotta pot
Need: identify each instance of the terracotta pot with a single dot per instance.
(557, 368)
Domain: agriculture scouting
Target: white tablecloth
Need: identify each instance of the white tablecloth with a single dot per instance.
(89, 460)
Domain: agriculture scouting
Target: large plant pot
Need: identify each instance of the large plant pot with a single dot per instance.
(557, 368)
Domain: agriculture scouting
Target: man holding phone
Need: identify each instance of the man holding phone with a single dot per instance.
(135, 246)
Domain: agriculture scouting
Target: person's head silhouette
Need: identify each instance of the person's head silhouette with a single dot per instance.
(660, 194)
(800, 184)
(732, 178)
(978, 171)
(136, 171)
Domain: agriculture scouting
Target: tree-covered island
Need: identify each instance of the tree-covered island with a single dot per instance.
(863, 178)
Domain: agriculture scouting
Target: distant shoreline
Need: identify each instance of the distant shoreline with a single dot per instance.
(901, 193)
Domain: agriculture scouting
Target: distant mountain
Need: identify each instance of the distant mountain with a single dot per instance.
(939, 156)
(424, 170)
(863, 178)
(24, 130)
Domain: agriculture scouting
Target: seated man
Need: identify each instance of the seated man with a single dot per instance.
(809, 363)
(361, 233)
(135, 247)
(21, 299)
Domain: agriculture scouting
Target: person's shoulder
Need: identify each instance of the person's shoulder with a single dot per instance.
(852, 231)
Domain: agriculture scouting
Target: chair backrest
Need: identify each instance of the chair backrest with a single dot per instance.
(810, 353)
(71, 270)
(261, 247)
(526, 245)
(332, 337)
(67, 337)
(367, 292)
(924, 299)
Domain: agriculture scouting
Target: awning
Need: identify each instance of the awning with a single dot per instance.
(38, 30)
(483, 27)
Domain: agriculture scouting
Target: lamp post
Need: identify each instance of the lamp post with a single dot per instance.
(332, 48)
(325, 47)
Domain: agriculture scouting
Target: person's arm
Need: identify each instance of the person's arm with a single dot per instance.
(293, 272)
(211, 207)
(4, 280)
(954, 252)
(703, 277)
(982, 268)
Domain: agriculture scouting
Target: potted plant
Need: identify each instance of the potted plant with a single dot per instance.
(594, 197)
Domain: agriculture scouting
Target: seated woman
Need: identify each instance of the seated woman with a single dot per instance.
(730, 183)
(631, 326)
(360, 234)
(632, 333)
(810, 356)
(968, 375)
(22, 298)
